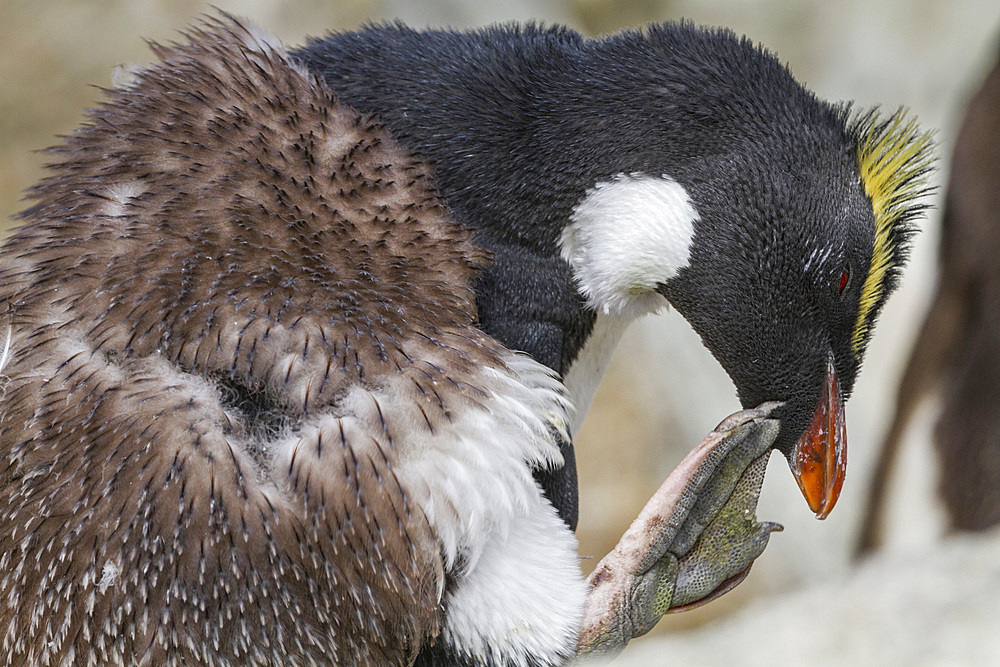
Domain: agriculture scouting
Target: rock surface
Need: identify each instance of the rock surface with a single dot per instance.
(934, 607)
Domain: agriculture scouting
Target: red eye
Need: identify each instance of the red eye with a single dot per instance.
(844, 278)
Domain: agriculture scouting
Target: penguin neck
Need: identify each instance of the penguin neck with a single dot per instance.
(590, 365)
(628, 236)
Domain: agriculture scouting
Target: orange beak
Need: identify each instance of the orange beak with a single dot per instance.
(820, 455)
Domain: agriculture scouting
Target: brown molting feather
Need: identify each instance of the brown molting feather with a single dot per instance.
(222, 219)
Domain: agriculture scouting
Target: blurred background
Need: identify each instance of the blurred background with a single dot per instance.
(924, 594)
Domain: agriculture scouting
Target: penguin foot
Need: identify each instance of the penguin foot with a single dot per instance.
(694, 540)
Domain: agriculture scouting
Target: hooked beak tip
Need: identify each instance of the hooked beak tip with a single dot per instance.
(819, 460)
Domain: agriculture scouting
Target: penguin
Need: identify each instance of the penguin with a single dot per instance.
(670, 165)
(295, 342)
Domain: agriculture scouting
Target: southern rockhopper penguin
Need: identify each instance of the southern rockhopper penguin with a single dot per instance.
(264, 396)
(676, 165)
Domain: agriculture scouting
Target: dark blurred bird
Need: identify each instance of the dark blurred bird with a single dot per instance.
(264, 396)
(955, 355)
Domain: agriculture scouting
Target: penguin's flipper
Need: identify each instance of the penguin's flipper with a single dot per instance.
(694, 540)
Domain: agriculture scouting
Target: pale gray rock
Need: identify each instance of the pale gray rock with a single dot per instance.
(927, 607)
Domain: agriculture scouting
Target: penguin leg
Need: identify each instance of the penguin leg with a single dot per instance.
(694, 540)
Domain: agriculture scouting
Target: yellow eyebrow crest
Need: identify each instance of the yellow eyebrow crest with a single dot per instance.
(894, 159)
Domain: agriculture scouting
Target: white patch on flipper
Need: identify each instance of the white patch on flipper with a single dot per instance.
(591, 363)
(522, 604)
(627, 236)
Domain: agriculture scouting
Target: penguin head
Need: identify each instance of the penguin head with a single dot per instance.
(797, 238)
(790, 266)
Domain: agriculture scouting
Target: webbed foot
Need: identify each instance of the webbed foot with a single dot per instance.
(694, 540)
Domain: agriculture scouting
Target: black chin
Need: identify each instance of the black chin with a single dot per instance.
(794, 416)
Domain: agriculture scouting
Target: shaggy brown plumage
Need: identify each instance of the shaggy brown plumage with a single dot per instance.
(222, 252)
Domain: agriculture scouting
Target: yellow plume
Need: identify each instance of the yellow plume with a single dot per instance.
(894, 158)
